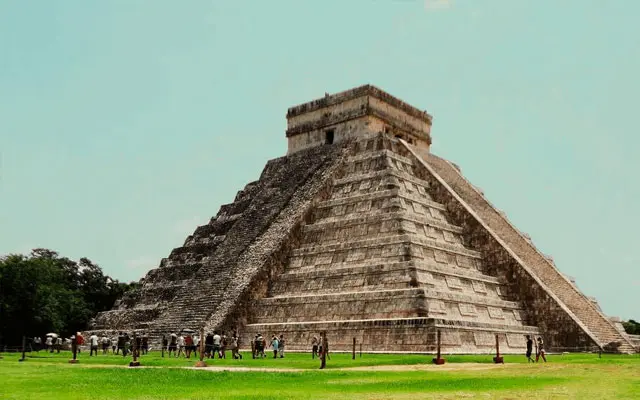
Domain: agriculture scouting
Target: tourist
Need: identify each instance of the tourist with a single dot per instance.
(114, 344)
(324, 350)
(93, 343)
(126, 344)
(274, 345)
(196, 344)
(234, 347)
(105, 344)
(49, 343)
(540, 352)
(180, 345)
(223, 345)
(217, 341)
(281, 346)
(173, 343)
(138, 345)
(208, 346)
(165, 344)
(259, 345)
(58, 344)
(145, 343)
(314, 347)
(37, 342)
(529, 349)
(120, 343)
(188, 343)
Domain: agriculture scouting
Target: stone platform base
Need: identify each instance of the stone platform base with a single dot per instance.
(406, 335)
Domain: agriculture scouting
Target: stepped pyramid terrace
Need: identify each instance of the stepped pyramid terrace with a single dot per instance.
(362, 232)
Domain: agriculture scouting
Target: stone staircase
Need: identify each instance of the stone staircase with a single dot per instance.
(380, 261)
(593, 321)
(192, 283)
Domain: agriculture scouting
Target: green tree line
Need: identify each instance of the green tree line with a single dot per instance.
(632, 327)
(44, 292)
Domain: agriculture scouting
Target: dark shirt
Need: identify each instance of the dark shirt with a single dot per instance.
(529, 345)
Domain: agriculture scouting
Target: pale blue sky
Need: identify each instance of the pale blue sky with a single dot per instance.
(125, 124)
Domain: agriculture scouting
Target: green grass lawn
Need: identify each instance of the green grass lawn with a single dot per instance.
(579, 376)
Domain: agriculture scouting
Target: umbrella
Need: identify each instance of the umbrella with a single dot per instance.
(55, 335)
(188, 331)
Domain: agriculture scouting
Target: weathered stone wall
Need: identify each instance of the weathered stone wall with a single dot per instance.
(378, 251)
(560, 328)
(358, 112)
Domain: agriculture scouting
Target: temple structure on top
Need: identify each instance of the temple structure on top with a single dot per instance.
(352, 114)
(361, 232)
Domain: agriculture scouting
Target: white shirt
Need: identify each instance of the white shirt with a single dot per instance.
(180, 341)
(216, 340)
(196, 340)
(94, 340)
(49, 341)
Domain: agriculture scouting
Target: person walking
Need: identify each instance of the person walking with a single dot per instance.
(180, 345)
(235, 347)
(49, 344)
(281, 346)
(104, 341)
(217, 342)
(93, 343)
(529, 349)
(314, 347)
(145, 343)
(540, 352)
(208, 345)
(274, 345)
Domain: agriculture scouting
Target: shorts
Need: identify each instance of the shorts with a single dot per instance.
(173, 347)
(216, 348)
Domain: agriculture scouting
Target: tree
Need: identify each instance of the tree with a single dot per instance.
(44, 292)
(632, 327)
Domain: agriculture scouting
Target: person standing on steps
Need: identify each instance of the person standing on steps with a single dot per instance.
(529, 349)
(540, 352)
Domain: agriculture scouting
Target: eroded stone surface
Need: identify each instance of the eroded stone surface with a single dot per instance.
(369, 238)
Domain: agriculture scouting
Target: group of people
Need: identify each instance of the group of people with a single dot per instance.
(215, 344)
(50, 343)
(539, 349)
(259, 345)
(123, 342)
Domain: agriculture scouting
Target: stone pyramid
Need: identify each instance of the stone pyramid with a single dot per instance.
(361, 232)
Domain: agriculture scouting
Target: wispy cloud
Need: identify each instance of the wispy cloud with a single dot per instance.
(434, 5)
